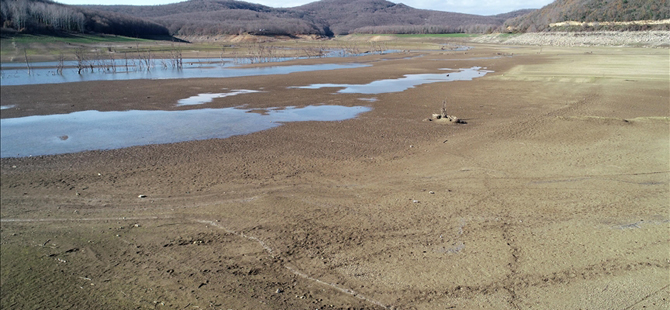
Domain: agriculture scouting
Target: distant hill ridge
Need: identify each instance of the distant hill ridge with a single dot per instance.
(325, 17)
(584, 14)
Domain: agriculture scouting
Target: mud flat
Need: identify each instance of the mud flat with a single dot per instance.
(554, 195)
(656, 38)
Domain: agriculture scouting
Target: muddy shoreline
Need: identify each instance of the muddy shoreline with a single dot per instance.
(553, 195)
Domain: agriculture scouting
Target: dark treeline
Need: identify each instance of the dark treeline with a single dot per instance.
(43, 16)
(593, 11)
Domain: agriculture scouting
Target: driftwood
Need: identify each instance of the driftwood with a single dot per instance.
(444, 117)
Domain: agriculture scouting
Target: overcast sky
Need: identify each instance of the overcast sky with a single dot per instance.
(481, 7)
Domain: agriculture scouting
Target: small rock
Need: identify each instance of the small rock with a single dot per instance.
(279, 291)
(431, 192)
(137, 225)
(416, 201)
(142, 196)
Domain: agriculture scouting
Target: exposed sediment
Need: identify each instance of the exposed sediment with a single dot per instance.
(596, 38)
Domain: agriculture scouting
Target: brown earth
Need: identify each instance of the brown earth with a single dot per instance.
(554, 195)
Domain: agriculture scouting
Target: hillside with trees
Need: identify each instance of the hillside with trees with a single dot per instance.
(380, 16)
(325, 17)
(43, 16)
(594, 12)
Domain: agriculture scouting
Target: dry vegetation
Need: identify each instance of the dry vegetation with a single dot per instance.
(584, 11)
(326, 17)
(43, 16)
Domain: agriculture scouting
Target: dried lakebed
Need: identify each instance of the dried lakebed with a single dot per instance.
(96, 130)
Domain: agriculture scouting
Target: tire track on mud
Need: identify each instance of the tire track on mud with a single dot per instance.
(86, 219)
(262, 243)
(293, 270)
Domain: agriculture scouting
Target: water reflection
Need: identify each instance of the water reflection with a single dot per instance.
(95, 130)
(374, 99)
(404, 83)
(208, 97)
(10, 77)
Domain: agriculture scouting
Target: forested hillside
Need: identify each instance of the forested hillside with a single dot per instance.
(594, 11)
(325, 17)
(380, 16)
(43, 16)
(239, 22)
(513, 14)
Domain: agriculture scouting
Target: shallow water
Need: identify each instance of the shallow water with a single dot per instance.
(95, 130)
(209, 97)
(20, 76)
(122, 63)
(133, 69)
(374, 99)
(404, 83)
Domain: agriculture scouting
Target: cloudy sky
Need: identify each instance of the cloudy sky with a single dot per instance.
(481, 7)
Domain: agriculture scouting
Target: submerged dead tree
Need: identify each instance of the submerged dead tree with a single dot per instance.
(444, 117)
(80, 55)
(25, 54)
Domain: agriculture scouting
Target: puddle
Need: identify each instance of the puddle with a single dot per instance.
(369, 99)
(5, 107)
(95, 130)
(404, 83)
(208, 97)
(20, 76)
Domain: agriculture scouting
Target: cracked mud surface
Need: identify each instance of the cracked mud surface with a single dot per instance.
(553, 196)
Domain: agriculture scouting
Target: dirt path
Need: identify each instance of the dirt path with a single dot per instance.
(553, 195)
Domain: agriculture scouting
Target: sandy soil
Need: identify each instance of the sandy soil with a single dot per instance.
(554, 195)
